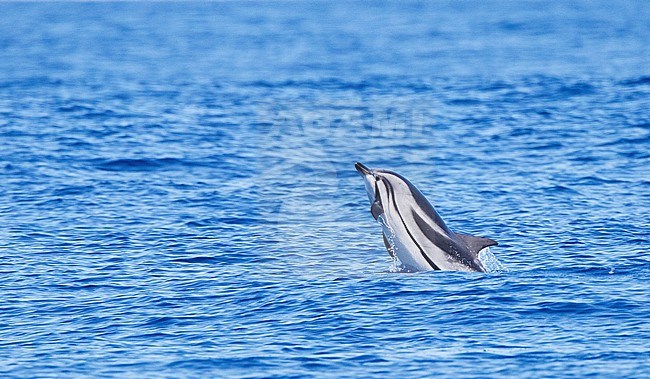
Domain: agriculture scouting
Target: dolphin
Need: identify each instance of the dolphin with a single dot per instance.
(413, 231)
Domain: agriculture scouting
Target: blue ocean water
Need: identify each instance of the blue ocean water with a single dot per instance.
(178, 197)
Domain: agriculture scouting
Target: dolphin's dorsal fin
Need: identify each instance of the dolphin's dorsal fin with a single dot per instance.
(476, 244)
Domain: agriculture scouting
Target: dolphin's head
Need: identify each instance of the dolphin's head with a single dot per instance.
(377, 179)
(379, 183)
(382, 185)
(369, 178)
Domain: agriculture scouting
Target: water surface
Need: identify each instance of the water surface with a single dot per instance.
(178, 196)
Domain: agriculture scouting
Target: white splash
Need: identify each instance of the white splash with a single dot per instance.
(395, 265)
(490, 262)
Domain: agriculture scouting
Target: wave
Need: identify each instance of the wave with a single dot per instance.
(140, 164)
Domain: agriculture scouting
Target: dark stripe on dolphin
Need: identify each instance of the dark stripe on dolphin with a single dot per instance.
(430, 233)
(391, 195)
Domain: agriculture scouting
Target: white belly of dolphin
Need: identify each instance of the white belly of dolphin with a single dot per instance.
(403, 248)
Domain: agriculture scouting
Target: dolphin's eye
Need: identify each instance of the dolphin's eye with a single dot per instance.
(377, 178)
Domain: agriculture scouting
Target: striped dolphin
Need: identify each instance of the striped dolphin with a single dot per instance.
(413, 231)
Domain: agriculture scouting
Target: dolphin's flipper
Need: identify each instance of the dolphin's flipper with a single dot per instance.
(476, 244)
(376, 209)
(389, 247)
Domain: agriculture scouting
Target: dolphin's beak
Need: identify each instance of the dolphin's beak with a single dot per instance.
(368, 180)
(363, 170)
